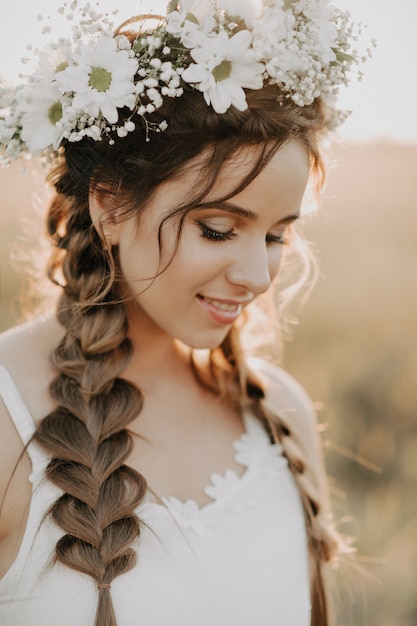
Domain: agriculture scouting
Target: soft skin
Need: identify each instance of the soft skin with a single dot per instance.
(212, 276)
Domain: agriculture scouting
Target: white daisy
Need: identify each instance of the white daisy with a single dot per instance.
(42, 111)
(248, 10)
(184, 27)
(101, 79)
(201, 9)
(191, 22)
(223, 68)
(52, 60)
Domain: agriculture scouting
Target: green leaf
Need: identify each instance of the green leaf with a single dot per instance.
(190, 17)
(172, 6)
(138, 46)
(342, 56)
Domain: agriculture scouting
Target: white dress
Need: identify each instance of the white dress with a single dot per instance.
(241, 560)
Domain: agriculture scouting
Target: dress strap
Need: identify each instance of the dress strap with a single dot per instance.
(16, 407)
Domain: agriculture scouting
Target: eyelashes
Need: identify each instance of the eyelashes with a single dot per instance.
(277, 239)
(217, 235)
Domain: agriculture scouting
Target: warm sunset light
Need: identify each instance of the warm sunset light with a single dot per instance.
(383, 103)
(351, 345)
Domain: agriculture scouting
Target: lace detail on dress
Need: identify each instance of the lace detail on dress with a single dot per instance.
(262, 460)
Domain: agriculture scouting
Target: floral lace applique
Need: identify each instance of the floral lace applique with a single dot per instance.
(189, 514)
(231, 490)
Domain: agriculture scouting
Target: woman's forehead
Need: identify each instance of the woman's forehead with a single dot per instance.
(283, 176)
(234, 166)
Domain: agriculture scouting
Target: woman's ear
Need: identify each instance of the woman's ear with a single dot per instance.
(103, 217)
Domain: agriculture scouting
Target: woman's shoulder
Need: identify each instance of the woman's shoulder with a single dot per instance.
(287, 400)
(283, 393)
(31, 333)
(30, 341)
(25, 353)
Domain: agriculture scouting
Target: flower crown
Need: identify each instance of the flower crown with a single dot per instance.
(97, 82)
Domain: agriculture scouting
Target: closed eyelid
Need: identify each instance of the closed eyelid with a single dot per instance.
(218, 223)
(220, 229)
(224, 221)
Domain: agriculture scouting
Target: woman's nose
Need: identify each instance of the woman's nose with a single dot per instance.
(252, 269)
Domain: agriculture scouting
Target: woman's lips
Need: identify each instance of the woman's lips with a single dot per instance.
(222, 311)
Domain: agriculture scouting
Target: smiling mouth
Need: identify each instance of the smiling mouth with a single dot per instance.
(221, 311)
(221, 305)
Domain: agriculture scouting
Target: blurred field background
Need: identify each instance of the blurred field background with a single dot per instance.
(354, 351)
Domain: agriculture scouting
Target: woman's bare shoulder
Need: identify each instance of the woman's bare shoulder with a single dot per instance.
(25, 352)
(32, 334)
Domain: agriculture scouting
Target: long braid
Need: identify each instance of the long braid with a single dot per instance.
(86, 434)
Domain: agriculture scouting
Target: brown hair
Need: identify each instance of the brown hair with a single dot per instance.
(87, 434)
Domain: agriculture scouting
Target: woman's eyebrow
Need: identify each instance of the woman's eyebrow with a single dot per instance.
(288, 219)
(251, 215)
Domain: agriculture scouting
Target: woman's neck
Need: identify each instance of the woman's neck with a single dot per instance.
(157, 358)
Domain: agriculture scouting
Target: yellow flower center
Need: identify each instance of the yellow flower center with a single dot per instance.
(55, 113)
(222, 71)
(100, 79)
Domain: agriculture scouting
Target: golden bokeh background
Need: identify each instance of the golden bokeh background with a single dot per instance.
(355, 351)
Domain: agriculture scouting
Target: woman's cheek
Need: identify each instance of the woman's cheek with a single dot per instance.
(275, 260)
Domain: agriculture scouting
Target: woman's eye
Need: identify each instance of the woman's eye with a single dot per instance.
(215, 235)
(281, 239)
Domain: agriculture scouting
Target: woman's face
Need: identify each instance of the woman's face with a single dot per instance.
(227, 254)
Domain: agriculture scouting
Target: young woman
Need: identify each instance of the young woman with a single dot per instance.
(152, 472)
